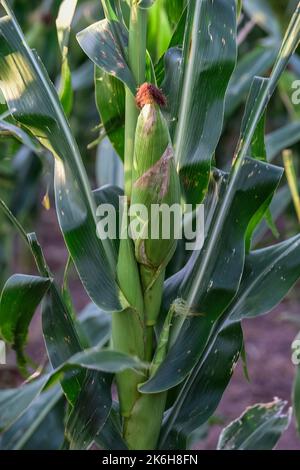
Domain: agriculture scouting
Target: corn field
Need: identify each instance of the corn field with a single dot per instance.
(164, 135)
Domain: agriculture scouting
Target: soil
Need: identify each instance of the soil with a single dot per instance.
(268, 343)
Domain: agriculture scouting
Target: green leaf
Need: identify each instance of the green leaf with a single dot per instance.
(288, 47)
(109, 194)
(34, 103)
(256, 96)
(40, 427)
(105, 360)
(19, 300)
(258, 428)
(59, 330)
(268, 275)
(85, 421)
(207, 386)
(21, 135)
(15, 402)
(282, 138)
(176, 41)
(211, 278)
(257, 151)
(258, 148)
(63, 25)
(255, 62)
(62, 342)
(109, 167)
(92, 387)
(95, 325)
(174, 9)
(209, 59)
(171, 86)
(159, 31)
(108, 9)
(110, 100)
(110, 435)
(279, 204)
(105, 43)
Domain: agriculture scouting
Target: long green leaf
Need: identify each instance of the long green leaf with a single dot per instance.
(19, 300)
(288, 47)
(282, 138)
(34, 103)
(209, 60)
(268, 276)
(62, 342)
(176, 42)
(110, 435)
(208, 287)
(61, 325)
(257, 150)
(95, 325)
(81, 431)
(105, 43)
(207, 386)
(203, 285)
(110, 100)
(171, 86)
(40, 427)
(59, 331)
(63, 25)
(104, 360)
(109, 167)
(15, 402)
(279, 204)
(256, 62)
(22, 136)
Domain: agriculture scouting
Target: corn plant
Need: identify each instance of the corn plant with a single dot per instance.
(146, 366)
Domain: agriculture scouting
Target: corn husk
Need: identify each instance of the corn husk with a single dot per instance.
(155, 181)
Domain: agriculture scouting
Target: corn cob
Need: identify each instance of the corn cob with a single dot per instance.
(155, 181)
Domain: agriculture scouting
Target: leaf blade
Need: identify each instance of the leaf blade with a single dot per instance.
(258, 428)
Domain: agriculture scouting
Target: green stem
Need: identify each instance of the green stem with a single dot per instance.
(143, 428)
(140, 430)
(127, 326)
(137, 63)
(148, 343)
